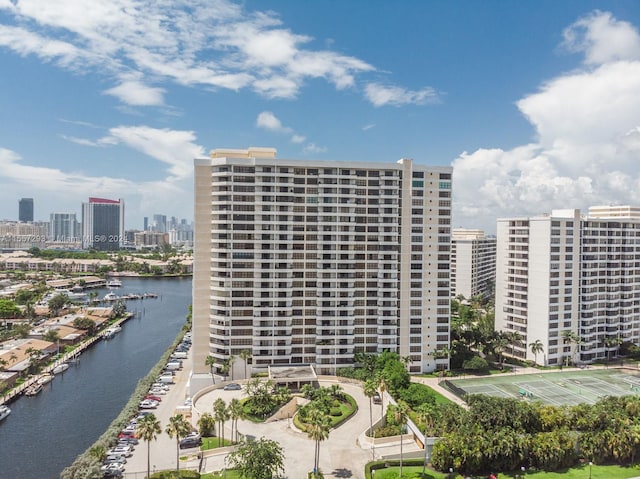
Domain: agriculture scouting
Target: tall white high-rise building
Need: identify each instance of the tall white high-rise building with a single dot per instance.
(473, 263)
(311, 262)
(570, 282)
(63, 228)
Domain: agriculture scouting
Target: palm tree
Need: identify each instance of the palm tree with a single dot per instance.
(336, 392)
(318, 426)
(383, 385)
(148, 429)
(230, 362)
(206, 424)
(572, 338)
(370, 389)
(220, 414)
(536, 347)
(211, 362)
(245, 354)
(406, 361)
(426, 414)
(179, 427)
(400, 416)
(236, 411)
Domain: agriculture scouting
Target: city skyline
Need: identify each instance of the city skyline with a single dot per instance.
(534, 104)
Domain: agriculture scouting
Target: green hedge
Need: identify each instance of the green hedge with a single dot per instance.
(183, 474)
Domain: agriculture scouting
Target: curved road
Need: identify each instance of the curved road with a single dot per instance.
(341, 456)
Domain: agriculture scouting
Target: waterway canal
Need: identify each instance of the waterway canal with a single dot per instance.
(45, 433)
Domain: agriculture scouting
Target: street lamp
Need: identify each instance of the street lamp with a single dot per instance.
(590, 464)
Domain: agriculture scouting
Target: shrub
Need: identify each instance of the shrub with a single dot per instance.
(335, 411)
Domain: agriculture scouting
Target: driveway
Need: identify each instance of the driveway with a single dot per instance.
(340, 455)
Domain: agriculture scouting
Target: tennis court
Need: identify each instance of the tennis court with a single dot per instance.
(555, 388)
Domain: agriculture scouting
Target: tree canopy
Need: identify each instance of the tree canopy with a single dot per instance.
(258, 459)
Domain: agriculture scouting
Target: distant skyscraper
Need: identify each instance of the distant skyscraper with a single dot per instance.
(473, 263)
(103, 224)
(25, 210)
(160, 223)
(146, 223)
(63, 227)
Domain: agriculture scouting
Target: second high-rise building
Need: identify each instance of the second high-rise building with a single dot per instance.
(314, 261)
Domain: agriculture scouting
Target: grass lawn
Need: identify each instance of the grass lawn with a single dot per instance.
(440, 399)
(230, 474)
(582, 472)
(214, 442)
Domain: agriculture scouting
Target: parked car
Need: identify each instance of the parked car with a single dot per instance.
(117, 458)
(125, 451)
(190, 441)
(113, 466)
(127, 434)
(232, 387)
(128, 441)
(153, 398)
(148, 404)
(377, 399)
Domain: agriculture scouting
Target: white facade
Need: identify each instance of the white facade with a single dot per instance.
(473, 263)
(313, 261)
(564, 274)
(63, 228)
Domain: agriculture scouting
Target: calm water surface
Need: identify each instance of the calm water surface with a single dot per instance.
(45, 433)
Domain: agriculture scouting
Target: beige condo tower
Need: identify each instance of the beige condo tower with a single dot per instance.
(310, 262)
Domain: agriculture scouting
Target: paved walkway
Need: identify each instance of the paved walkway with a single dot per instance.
(341, 455)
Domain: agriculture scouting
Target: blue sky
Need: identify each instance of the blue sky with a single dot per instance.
(536, 104)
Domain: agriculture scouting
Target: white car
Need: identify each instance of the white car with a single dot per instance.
(157, 391)
(113, 467)
(148, 404)
(125, 451)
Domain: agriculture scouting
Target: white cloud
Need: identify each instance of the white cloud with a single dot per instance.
(312, 148)
(269, 121)
(368, 127)
(173, 147)
(602, 38)
(588, 139)
(133, 92)
(198, 43)
(381, 95)
(298, 139)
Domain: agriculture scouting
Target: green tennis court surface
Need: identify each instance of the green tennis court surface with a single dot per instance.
(557, 388)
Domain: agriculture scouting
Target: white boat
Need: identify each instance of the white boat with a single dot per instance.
(114, 283)
(111, 331)
(110, 296)
(45, 378)
(33, 389)
(4, 411)
(60, 368)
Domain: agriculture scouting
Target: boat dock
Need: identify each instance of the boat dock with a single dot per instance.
(110, 298)
(70, 357)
